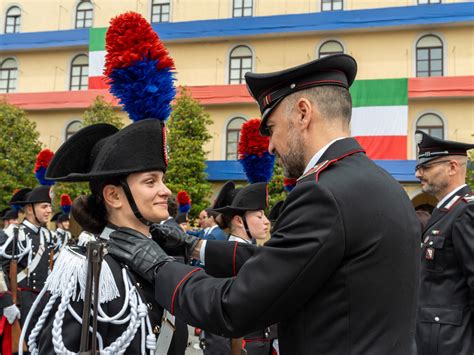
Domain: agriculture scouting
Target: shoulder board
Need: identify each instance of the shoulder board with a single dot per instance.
(317, 168)
(468, 198)
(452, 203)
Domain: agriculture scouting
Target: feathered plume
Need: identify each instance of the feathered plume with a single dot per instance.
(139, 70)
(66, 203)
(42, 161)
(256, 161)
(184, 201)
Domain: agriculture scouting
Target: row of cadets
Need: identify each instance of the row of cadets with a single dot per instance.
(28, 246)
(125, 171)
(61, 219)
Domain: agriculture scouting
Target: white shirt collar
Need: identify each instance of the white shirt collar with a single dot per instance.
(30, 225)
(234, 238)
(319, 154)
(210, 229)
(448, 196)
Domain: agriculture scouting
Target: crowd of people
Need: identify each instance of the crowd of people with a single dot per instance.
(337, 270)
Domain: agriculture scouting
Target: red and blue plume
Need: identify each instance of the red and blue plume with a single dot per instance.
(42, 162)
(138, 67)
(256, 161)
(184, 201)
(289, 184)
(65, 203)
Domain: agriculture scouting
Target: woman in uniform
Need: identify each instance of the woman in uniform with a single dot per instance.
(127, 196)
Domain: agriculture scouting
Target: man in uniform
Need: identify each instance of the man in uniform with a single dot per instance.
(340, 272)
(63, 236)
(34, 265)
(445, 322)
(9, 216)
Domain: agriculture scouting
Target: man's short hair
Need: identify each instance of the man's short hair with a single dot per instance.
(333, 102)
(172, 206)
(211, 213)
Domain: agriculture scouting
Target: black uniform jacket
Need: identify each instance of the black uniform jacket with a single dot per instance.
(71, 329)
(29, 287)
(340, 273)
(446, 304)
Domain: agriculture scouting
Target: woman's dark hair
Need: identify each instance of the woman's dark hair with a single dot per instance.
(223, 220)
(89, 211)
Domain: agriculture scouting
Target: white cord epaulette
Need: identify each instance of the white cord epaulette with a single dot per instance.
(24, 243)
(468, 198)
(71, 264)
(136, 317)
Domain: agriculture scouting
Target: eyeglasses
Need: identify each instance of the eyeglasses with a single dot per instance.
(423, 167)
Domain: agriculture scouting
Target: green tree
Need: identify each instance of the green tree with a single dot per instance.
(187, 133)
(19, 146)
(276, 187)
(99, 112)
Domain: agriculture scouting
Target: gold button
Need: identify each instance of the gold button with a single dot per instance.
(150, 306)
(156, 329)
(139, 285)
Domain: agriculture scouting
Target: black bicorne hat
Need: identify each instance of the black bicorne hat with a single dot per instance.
(101, 151)
(430, 147)
(19, 197)
(60, 217)
(270, 89)
(39, 194)
(9, 214)
(253, 197)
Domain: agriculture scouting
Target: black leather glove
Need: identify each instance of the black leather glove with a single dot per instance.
(173, 240)
(140, 253)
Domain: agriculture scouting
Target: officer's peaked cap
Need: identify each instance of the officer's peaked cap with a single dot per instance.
(271, 88)
(430, 147)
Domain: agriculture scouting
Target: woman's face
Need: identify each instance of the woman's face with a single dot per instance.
(150, 194)
(258, 224)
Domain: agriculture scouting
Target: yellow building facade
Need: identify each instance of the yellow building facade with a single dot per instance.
(45, 57)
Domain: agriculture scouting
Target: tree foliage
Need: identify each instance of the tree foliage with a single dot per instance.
(276, 189)
(470, 169)
(99, 112)
(19, 145)
(187, 133)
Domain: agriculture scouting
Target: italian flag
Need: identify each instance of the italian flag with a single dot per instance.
(380, 107)
(380, 117)
(97, 58)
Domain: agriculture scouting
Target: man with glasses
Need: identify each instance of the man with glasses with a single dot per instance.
(446, 300)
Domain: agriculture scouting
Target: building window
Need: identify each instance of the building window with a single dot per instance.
(331, 5)
(429, 56)
(72, 128)
(240, 62)
(79, 73)
(329, 48)
(232, 137)
(84, 13)
(8, 75)
(431, 124)
(427, 2)
(242, 8)
(160, 11)
(12, 20)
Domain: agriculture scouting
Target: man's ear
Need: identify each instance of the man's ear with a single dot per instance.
(112, 196)
(305, 112)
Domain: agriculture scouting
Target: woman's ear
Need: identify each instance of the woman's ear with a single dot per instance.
(237, 221)
(112, 196)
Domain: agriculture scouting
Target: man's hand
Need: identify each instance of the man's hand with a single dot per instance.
(11, 313)
(173, 240)
(140, 253)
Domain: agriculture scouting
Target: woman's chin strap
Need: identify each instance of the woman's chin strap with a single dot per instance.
(132, 203)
